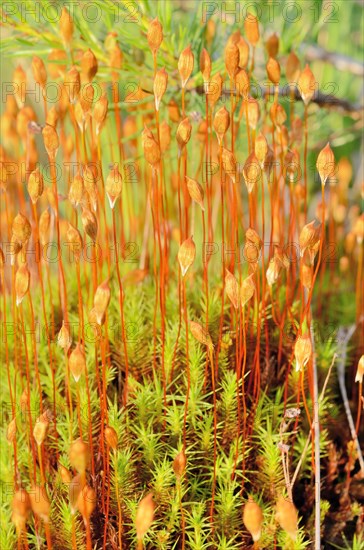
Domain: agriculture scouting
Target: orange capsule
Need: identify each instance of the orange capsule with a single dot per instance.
(40, 429)
(111, 437)
(116, 57)
(40, 503)
(179, 464)
(251, 255)
(14, 249)
(287, 517)
(242, 83)
(229, 163)
(232, 289)
(247, 290)
(86, 503)
(52, 117)
(213, 89)
(202, 131)
(160, 86)
(273, 71)
(292, 165)
(81, 117)
(86, 99)
(325, 164)
(74, 238)
(272, 45)
(66, 26)
(309, 236)
(253, 519)
(21, 228)
(344, 172)
(75, 487)
(100, 112)
(22, 281)
(302, 351)
(205, 65)
(57, 69)
(134, 276)
(221, 123)
(186, 255)
(102, 300)
(20, 506)
(243, 53)
(72, 83)
(251, 171)
(35, 185)
(234, 38)
(64, 339)
(144, 516)
(306, 85)
(39, 71)
(89, 65)
(183, 133)
(44, 224)
(196, 192)
(64, 101)
(93, 322)
(252, 236)
(210, 30)
(344, 264)
(24, 401)
(165, 136)
(253, 113)
(185, 65)
(293, 68)
(65, 474)
(273, 271)
(79, 455)
(113, 185)
(173, 111)
(155, 35)
(136, 97)
(90, 224)
(75, 192)
(232, 59)
(151, 148)
(201, 334)
(51, 141)
(77, 362)
(251, 27)
(261, 148)
(278, 115)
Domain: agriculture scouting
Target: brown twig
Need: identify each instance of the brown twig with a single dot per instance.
(344, 337)
(341, 62)
(327, 101)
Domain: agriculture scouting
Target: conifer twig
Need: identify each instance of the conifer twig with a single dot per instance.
(308, 438)
(316, 424)
(344, 337)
